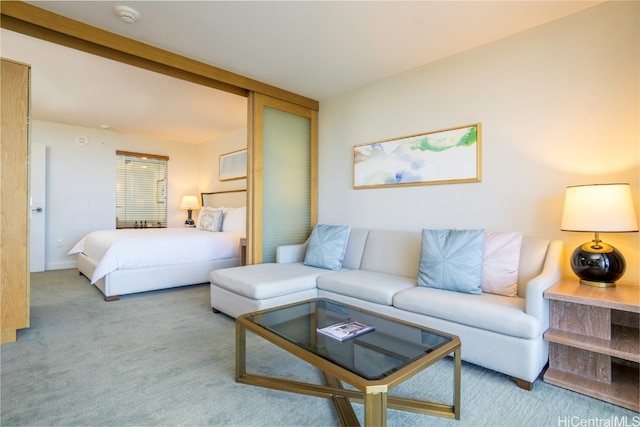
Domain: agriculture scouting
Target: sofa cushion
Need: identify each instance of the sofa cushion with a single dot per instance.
(327, 246)
(452, 260)
(392, 252)
(260, 281)
(366, 285)
(355, 248)
(496, 313)
(500, 261)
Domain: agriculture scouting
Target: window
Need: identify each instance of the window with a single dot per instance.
(141, 190)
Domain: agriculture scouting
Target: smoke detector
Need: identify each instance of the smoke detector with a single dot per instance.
(126, 14)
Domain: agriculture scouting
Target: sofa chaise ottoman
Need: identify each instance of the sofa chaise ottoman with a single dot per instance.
(380, 271)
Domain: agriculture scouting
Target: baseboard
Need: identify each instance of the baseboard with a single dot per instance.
(60, 265)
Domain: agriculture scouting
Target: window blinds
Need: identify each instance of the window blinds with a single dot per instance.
(141, 190)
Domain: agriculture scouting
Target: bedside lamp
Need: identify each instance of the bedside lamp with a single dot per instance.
(189, 203)
(598, 208)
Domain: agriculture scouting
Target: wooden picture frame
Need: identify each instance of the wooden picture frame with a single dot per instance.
(440, 157)
(233, 165)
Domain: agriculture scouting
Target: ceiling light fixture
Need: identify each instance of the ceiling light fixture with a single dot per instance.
(126, 14)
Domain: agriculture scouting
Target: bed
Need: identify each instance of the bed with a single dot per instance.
(127, 261)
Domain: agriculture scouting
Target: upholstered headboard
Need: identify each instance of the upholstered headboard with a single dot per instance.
(228, 199)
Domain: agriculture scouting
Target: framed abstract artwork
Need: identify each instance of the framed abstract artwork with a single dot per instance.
(233, 165)
(440, 157)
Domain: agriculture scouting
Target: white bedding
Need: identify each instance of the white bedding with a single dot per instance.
(134, 248)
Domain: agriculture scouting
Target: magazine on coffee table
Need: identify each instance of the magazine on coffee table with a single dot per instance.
(346, 329)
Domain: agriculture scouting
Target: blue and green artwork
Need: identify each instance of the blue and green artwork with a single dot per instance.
(450, 155)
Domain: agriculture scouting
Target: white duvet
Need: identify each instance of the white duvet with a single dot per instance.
(134, 248)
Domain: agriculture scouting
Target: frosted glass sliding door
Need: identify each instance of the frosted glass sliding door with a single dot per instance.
(284, 187)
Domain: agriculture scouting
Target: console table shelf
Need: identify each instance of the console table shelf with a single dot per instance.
(594, 341)
(622, 392)
(623, 343)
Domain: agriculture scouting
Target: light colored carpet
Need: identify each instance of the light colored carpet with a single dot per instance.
(164, 359)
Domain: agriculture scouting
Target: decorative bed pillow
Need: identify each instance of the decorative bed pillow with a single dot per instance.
(452, 260)
(501, 262)
(327, 246)
(206, 209)
(210, 220)
(235, 219)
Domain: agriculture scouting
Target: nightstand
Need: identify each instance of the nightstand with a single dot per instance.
(594, 341)
(243, 251)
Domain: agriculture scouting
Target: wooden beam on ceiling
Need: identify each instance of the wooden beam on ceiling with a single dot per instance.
(36, 22)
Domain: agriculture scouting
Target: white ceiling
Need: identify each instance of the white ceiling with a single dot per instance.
(76, 88)
(316, 49)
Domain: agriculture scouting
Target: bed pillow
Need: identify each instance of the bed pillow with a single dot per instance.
(501, 261)
(327, 246)
(210, 220)
(205, 209)
(235, 220)
(452, 260)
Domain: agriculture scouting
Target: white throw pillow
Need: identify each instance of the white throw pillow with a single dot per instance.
(202, 212)
(210, 220)
(500, 263)
(235, 220)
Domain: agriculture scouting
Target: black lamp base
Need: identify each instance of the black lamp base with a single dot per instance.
(598, 264)
(189, 222)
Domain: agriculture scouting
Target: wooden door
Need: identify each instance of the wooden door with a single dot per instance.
(14, 205)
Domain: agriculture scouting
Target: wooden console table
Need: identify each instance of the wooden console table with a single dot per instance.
(594, 341)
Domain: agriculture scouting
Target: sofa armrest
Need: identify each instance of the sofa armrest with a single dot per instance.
(536, 305)
(291, 253)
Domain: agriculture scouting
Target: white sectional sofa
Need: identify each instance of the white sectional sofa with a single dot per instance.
(379, 273)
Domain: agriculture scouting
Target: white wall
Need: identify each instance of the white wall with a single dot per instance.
(209, 154)
(559, 105)
(81, 181)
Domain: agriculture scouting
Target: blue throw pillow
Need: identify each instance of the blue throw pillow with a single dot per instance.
(452, 260)
(327, 246)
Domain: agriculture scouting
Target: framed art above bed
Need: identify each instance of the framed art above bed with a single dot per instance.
(233, 165)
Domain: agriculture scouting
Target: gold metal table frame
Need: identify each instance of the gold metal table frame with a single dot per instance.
(372, 393)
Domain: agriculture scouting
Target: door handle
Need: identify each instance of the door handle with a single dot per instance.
(37, 210)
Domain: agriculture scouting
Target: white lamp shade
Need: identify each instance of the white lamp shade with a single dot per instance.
(189, 202)
(606, 208)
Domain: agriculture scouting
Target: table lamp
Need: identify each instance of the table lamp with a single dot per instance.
(189, 203)
(598, 208)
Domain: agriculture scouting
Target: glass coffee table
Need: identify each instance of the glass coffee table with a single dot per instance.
(373, 363)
